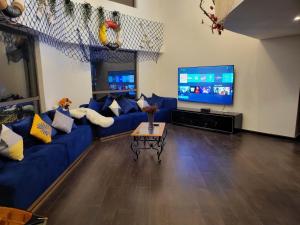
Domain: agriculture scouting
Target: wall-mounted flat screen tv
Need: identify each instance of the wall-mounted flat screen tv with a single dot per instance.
(206, 84)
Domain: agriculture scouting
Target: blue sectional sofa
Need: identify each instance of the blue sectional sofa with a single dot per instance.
(21, 183)
(128, 122)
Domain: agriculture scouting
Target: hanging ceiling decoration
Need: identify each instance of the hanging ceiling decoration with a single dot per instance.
(210, 14)
(75, 29)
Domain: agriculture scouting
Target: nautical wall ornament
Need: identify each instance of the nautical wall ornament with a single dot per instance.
(113, 24)
(14, 10)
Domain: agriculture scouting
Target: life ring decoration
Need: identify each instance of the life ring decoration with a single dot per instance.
(113, 24)
(14, 10)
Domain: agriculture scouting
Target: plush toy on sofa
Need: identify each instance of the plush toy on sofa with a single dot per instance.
(65, 103)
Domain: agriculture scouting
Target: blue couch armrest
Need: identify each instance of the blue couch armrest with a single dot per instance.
(84, 106)
(170, 103)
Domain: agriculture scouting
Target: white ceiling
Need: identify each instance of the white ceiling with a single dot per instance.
(265, 19)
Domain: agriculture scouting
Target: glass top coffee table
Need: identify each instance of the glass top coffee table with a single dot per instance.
(144, 139)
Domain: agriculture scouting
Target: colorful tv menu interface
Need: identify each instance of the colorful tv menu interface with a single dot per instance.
(122, 80)
(211, 84)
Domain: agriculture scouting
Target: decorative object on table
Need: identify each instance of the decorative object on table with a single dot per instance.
(41, 130)
(10, 216)
(11, 144)
(86, 12)
(14, 10)
(65, 103)
(113, 24)
(150, 110)
(216, 25)
(145, 140)
(69, 7)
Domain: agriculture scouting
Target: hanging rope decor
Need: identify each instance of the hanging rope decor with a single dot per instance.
(85, 33)
(14, 10)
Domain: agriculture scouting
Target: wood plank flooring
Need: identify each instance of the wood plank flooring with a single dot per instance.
(205, 178)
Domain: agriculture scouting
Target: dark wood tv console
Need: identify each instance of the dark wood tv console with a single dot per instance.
(226, 122)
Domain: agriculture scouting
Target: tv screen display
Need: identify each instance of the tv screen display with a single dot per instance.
(207, 84)
(122, 81)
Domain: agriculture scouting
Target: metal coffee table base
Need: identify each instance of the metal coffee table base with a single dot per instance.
(148, 143)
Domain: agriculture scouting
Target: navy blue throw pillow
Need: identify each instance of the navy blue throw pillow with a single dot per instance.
(105, 109)
(134, 105)
(67, 113)
(157, 100)
(126, 105)
(94, 105)
(49, 122)
(1, 164)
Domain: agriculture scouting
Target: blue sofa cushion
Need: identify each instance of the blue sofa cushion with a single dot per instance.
(75, 142)
(21, 183)
(1, 164)
(126, 105)
(23, 128)
(163, 115)
(157, 100)
(94, 105)
(123, 123)
(170, 103)
(137, 118)
(47, 119)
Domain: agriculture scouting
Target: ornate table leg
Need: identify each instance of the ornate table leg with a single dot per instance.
(161, 145)
(134, 148)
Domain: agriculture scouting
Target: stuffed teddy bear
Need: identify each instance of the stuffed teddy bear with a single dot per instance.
(65, 103)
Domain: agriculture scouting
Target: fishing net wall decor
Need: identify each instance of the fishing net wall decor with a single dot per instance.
(74, 31)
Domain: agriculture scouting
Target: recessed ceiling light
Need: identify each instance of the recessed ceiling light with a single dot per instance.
(297, 18)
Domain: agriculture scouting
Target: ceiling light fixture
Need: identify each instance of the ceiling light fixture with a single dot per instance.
(297, 18)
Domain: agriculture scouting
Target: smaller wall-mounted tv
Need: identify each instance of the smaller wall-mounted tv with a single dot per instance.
(122, 81)
(206, 84)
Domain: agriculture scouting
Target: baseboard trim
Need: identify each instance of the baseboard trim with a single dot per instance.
(270, 135)
(37, 203)
(117, 136)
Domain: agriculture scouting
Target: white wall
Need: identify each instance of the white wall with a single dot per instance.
(61, 76)
(267, 73)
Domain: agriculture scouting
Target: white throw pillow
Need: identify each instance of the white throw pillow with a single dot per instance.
(115, 108)
(62, 122)
(142, 103)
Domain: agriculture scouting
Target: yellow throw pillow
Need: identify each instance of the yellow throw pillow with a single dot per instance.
(11, 144)
(41, 129)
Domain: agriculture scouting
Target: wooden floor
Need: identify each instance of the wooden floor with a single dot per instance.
(205, 178)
